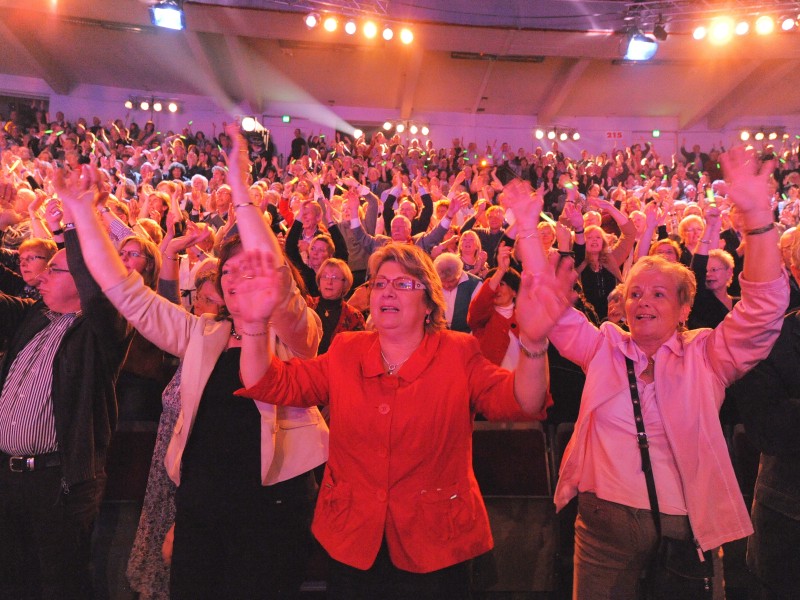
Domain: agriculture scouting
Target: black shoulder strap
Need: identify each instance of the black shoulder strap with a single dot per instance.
(644, 446)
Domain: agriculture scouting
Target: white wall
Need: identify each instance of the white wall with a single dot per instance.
(597, 133)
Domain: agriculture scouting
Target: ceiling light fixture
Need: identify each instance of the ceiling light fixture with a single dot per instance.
(168, 14)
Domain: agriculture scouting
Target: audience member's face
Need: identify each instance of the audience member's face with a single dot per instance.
(31, 263)
(207, 300)
(57, 286)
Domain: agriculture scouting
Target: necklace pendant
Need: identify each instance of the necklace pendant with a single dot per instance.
(327, 313)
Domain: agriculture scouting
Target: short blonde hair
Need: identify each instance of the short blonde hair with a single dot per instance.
(46, 248)
(685, 282)
(345, 270)
(419, 265)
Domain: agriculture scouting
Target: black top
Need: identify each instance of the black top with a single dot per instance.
(329, 312)
(223, 454)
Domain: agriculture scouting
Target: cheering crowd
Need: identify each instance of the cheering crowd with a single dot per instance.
(357, 307)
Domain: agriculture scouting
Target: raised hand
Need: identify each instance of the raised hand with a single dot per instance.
(748, 179)
(260, 286)
(543, 297)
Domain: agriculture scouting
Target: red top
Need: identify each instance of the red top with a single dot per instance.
(400, 463)
(489, 326)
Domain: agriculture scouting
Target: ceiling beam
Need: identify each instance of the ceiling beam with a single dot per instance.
(720, 95)
(488, 73)
(560, 89)
(769, 75)
(208, 64)
(242, 67)
(54, 74)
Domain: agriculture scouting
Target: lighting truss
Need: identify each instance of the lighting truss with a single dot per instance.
(691, 11)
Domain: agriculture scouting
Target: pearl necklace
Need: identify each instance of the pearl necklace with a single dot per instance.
(236, 336)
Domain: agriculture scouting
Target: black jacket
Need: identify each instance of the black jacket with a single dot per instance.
(85, 367)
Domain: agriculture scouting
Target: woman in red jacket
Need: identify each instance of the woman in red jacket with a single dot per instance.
(399, 511)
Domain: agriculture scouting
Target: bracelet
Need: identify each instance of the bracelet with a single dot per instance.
(59, 231)
(578, 231)
(68, 226)
(259, 334)
(104, 210)
(175, 258)
(244, 204)
(537, 353)
(705, 241)
(760, 230)
(534, 233)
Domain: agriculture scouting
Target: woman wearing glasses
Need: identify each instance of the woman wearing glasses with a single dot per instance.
(400, 512)
(34, 255)
(243, 470)
(334, 280)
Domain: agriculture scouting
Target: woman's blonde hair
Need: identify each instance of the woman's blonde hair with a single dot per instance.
(152, 256)
(418, 265)
(345, 270)
(685, 282)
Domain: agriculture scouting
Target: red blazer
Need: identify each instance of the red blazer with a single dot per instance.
(400, 463)
(489, 326)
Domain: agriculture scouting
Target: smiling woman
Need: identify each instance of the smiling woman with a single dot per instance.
(679, 378)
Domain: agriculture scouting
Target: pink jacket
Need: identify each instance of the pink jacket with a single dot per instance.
(691, 373)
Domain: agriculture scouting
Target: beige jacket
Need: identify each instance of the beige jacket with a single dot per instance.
(293, 440)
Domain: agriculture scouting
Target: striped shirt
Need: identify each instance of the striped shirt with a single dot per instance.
(27, 422)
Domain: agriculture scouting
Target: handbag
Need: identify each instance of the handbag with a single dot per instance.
(676, 570)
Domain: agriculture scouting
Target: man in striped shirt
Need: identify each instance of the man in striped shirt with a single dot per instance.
(57, 413)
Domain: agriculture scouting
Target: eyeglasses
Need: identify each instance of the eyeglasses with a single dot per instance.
(403, 284)
(332, 277)
(50, 269)
(24, 260)
(132, 254)
(716, 269)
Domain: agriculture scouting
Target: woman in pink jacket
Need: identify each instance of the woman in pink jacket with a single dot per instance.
(680, 377)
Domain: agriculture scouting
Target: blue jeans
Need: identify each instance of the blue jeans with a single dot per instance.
(45, 545)
(614, 544)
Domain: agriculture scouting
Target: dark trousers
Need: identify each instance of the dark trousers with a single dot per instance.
(45, 534)
(772, 553)
(251, 547)
(385, 581)
(615, 543)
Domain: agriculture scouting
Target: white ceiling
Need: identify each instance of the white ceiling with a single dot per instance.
(259, 56)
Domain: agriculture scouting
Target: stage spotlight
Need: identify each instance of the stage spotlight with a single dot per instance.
(330, 24)
(144, 105)
(551, 135)
(563, 137)
(773, 135)
(357, 133)
(424, 130)
(765, 25)
(370, 30)
(699, 33)
(787, 23)
(172, 107)
(400, 128)
(656, 133)
(413, 130)
(350, 27)
(576, 136)
(721, 31)
(640, 47)
(406, 36)
(759, 136)
(539, 134)
(248, 124)
(128, 104)
(168, 14)
(388, 34)
(742, 27)
(744, 136)
(312, 20)
(387, 125)
(157, 106)
(785, 136)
